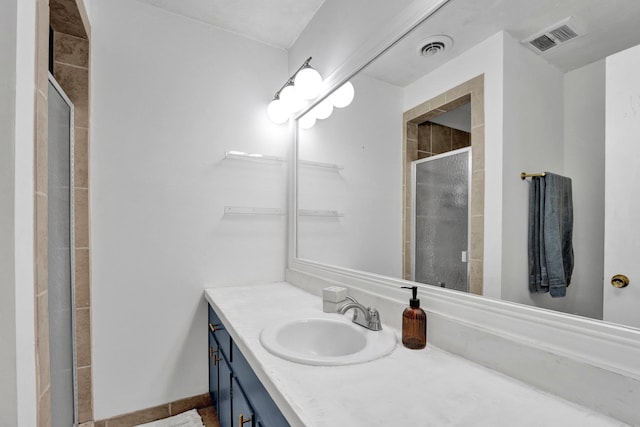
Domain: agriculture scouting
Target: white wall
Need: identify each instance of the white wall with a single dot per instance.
(584, 148)
(17, 336)
(363, 138)
(485, 58)
(554, 122)
(169, 95)
(533, 142)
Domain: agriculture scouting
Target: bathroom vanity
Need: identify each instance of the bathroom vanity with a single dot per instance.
(406, 387)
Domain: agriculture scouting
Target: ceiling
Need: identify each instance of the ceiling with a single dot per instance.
(274, 22)
(606, 27)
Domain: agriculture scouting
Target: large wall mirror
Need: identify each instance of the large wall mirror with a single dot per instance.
(419, 177)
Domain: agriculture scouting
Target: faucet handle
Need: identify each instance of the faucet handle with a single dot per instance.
(374, 319)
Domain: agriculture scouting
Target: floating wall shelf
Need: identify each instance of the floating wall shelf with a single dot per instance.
(241, 155)
(241, 210)
(315, 212)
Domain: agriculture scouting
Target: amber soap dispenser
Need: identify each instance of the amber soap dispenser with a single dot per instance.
(414, 323)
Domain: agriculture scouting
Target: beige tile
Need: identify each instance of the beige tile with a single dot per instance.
(423, 155)
(477, 142)
(75, 82)
(85, 395)
(476, 251)
(459, 91)
(81, 158)
(66, 18)
(139, 417)
(42, 242)
(71, 50)
(209, 417)
(412, 146)
(440, 139)
(88, 424)
(417, 112)
(42, 45)
(438, 102)
(195, 402)
(406, 267)
(452, 105)
(42, 344)
(477, 193)
(412, 130)
(44, 409)
(83, 336)
(477, 107)
(412, 155)
(429, 115)
(460, 139)
(424, 137)
(406, 236)
(100, 423)
(477, 82)
(83, 287)
(42, 132)
(475, 278)
(82, 218)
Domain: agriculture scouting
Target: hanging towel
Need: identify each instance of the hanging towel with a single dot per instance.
(550, 234)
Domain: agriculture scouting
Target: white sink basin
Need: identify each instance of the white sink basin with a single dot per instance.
(325, 341)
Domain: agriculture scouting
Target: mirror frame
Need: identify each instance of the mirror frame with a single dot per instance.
(609, 346)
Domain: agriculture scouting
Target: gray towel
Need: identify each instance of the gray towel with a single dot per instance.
(550, 234)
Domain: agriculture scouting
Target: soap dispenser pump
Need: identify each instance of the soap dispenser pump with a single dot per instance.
(414, 323)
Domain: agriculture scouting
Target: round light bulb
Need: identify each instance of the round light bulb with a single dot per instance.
(307, 121)
(308, 83)
(323, 110)
(343, 95)
(276, 112)
(290, 99)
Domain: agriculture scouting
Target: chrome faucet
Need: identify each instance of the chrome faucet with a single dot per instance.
(363, 316)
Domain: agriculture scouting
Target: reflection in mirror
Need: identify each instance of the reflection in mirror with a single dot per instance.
(546, 86)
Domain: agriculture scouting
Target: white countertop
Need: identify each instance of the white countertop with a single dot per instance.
(427, 387)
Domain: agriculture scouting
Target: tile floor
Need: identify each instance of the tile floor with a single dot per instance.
(209, 416)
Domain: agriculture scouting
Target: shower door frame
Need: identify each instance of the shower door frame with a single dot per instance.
(414, 165)
(72, 244)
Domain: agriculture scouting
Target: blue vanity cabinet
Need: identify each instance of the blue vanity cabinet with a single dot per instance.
(240, 398)
(225, 396)
(220, 334)
(266, 410)
(220, 369)
(242, 412)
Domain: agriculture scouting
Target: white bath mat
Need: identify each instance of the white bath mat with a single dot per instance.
(186, 419)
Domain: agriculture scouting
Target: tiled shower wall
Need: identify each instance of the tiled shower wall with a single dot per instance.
(423, 139)
(71, 70)
(434, 138)
(69, 21)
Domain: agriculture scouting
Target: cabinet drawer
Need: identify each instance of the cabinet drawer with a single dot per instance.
(263, 404)
(220, 333)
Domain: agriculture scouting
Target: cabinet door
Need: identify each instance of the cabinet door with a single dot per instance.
(267, 411)
(214, 371)
(243, 415)
(220, 333)
(224, 393)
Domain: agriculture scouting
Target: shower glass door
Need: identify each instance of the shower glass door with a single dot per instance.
(61, 259)
(441, 219)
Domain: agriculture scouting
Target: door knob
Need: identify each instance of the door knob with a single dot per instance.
(620, 281)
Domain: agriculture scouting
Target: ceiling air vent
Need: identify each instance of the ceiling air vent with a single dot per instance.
(555, 35)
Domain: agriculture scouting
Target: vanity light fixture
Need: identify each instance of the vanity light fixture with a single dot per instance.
(304, 84)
